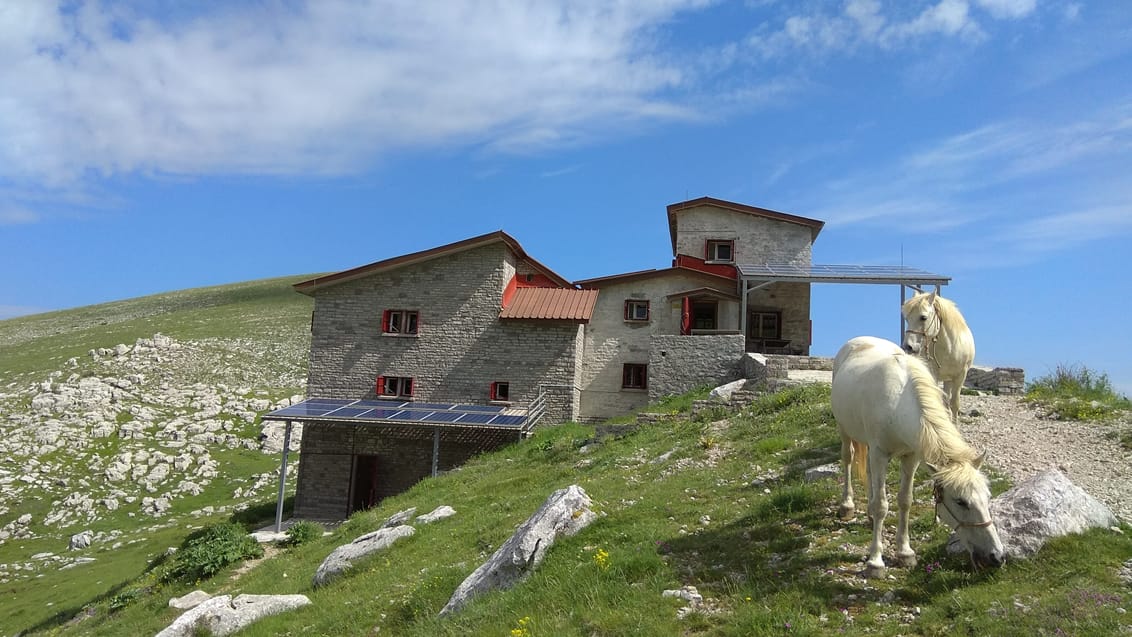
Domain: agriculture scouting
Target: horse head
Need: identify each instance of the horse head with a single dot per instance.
(923, 322)
(962, 501)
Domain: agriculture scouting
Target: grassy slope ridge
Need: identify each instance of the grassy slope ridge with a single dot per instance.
(253, 336)
(717, 502)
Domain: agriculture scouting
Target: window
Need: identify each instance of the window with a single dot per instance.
(395, 386)
(501, 391)
(721, 250)
(765, 325)
(636, 310)
(634, 376)
(403, 322)
(703, 315)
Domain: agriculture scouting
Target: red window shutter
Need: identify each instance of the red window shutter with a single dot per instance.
(385, 321)
(492, 392)
(380, 385)
(626, 310)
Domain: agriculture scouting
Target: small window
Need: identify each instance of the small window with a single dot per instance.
(636, 310)
(721, 251)
(765, 325)
(394, 386)
(399, 322)
(501, 391)
(634, 376)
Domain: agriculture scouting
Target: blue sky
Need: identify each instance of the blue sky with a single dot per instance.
(155, 146)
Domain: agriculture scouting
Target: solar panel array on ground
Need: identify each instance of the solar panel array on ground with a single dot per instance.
(365, 411)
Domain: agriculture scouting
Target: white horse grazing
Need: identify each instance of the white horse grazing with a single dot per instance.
(937, 333)
(887, 404)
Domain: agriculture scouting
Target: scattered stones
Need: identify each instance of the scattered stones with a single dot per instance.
(439, 513)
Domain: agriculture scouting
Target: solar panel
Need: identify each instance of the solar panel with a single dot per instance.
(379, 414)
(372, 404)
(346, 412)
(478, 419)
(840, 273)
(373, 411)
(495, 409)
(433, 406)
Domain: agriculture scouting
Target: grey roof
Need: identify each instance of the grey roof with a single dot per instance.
(840, 274)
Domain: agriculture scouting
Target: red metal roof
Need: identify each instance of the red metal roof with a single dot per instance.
(561, 304)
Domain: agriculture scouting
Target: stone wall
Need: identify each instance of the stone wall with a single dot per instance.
(1006, 381)
(326, 482)
(462, 346)
(678, 364)
(611, 341)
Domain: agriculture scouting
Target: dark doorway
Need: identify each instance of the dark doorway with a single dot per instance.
(363, 491)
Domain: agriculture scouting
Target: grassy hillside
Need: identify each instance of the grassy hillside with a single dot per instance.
(716, 501)
(252, 336)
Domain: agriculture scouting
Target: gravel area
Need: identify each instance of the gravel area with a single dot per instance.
(1020, 442)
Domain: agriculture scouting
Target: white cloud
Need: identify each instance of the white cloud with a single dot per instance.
(1008, 9)
(322, 87)
(15, 216)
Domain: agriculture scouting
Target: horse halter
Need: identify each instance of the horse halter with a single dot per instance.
(937, 491)
(929, 340)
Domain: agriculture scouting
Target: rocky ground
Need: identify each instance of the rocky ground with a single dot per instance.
(127, 432)
(1022, 440)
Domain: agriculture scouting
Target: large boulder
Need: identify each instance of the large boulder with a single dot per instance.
(565, 512)
(342, 558)
(223, 615)
(1044, 506)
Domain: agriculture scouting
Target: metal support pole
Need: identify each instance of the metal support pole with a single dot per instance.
(282, 479)
(435, 449)
(903, 298)
(743, 310)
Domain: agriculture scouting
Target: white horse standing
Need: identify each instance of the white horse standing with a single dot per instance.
(937, 333)
(887, 404)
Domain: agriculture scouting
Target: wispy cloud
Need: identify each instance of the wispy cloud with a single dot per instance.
(16, 216)
(868, 24)
(92, 89)
(1004, 194)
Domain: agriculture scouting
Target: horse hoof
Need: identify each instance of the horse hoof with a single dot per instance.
(846, 512)
(872, 571)
(906, 561)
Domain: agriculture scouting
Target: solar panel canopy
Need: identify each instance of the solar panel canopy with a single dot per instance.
(399, 412)
(839, 273)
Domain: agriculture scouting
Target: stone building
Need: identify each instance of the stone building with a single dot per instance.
(420, 361)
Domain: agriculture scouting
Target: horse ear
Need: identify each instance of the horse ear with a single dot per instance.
(979, 461)
(931, 297)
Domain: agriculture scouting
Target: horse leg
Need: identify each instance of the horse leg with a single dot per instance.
(953, 388)
(846, 508)
(878, 509)
(905, 556)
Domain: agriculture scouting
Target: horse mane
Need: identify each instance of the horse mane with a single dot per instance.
(941, 444)
(950, 317)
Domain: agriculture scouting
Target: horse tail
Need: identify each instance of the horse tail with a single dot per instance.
(940, 440)
(861, 460)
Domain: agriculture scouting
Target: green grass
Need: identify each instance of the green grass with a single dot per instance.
(1077, 393)
(777, 563)
(718, 502)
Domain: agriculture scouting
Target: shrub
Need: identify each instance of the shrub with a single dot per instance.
(207, 551)
(303, 531)
(1077, 393)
